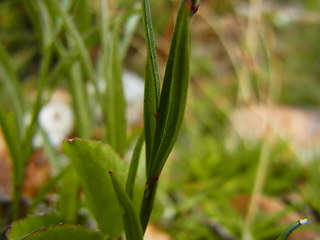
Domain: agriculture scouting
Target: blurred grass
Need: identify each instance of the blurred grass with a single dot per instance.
(204, 177)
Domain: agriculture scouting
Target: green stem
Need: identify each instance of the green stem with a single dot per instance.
(16, 201)
(147, 201)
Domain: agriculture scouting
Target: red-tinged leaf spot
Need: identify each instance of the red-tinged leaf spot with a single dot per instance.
(110, 173)
(156, 115)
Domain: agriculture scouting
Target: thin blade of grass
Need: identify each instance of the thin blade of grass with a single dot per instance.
(134, 167)
(130, 217)
(10, 132)
(112, 74)
(152, 82)
(11, 82)
(80, 101)
(131, 20)
(78, 40)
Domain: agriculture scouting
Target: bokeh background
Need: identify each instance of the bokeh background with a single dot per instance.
(246, 162)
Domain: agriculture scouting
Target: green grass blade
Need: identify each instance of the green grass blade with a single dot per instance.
(80, 101)
(112, 73)
(11, 82)
(116, 104)
(10, 132)
(130, 21)
(171, 108)
(77, 38)
(174, 91)
(151, 49)
(130, 218)
(152, 82)
(291, 228)
(134, 167)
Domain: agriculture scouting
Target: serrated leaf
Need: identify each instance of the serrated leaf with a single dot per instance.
(22, 228)
(65, 232)
(92, 160)
(130, 218)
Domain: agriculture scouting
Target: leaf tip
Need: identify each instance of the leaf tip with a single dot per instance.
(303, 221)
(110, 173)
(193, 5)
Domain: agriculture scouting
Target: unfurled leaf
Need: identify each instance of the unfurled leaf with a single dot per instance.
(92, 160)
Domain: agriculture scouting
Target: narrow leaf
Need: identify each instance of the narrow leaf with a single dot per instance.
(130, 218)
(10, 81)
(134, 167)
(91, 161)
(114, 108)
(152, 82)
(12, 138)
(174, 90)
(115, 99)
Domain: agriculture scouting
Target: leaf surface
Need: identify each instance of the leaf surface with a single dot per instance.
(92, 160)
(24, 227)
(65, 232)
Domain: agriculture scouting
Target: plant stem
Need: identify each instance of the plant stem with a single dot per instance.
(148, 200)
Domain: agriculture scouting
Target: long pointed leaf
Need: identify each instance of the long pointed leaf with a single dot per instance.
(130, 218)
(152, 83)
(174, 90)
(134, 167)
(171, 108)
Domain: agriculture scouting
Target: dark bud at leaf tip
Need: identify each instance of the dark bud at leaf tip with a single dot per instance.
(110, 173)
(193, 5)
